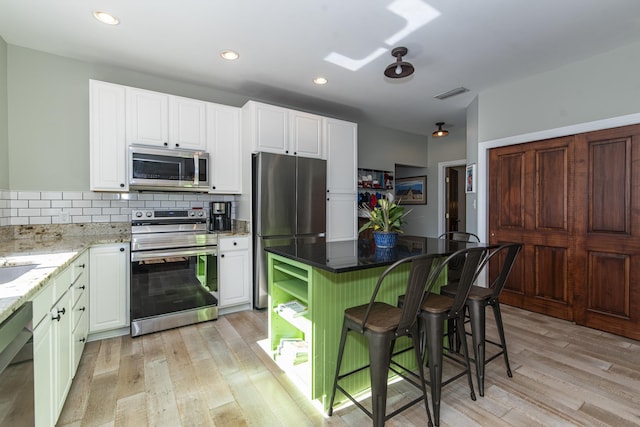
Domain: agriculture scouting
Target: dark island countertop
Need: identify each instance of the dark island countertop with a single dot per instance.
(352, 255)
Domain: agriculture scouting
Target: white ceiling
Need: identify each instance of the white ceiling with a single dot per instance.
(283, 45)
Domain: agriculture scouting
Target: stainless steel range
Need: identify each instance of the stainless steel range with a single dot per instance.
(174, 270)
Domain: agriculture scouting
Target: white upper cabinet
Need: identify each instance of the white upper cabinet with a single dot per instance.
(147, 117)
(342, 155)
(283, 131)
(163, 120)
(268, 127)
(188, 124)
(107, 147)
(306, 135)
(225, 149)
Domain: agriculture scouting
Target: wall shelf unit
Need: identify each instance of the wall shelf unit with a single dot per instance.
(373, 179)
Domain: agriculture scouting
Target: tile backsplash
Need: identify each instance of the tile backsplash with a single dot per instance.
(77, 207)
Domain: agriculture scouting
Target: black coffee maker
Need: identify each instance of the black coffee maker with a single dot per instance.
(220, 216)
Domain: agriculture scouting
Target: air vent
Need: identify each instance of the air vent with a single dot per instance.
(452, 92)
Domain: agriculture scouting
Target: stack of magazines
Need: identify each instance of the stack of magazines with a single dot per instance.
(293, 351)
(291, 309)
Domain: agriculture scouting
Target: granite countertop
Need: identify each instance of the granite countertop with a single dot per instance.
(352, 255)
(50, 255)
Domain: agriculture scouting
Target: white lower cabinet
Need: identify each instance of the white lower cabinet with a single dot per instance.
(233, 271)
(43, 373)
(55, 352)
(109, 287)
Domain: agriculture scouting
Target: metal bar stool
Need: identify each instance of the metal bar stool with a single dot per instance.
(481, 297)
(462, 236)
(382, 324)
(435, 311)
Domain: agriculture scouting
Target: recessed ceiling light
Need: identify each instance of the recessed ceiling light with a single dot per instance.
(229, 55)
(320, 81)
(106, 18)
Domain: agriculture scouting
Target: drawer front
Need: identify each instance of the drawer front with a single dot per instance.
(233, 243)
(42, 304)
(80, 266)
(80, 334)
(80, 308)
(80, 286)
(61, 283)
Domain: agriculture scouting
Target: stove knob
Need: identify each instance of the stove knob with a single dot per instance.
(192, 213)
(149, 214)
(138, 214)
(200, 213)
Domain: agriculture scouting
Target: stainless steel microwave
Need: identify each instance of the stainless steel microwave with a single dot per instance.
(167, 169)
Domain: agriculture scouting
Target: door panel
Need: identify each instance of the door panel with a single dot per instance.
(552, 192)
(532, 184)
(608, 293)
(574, 204)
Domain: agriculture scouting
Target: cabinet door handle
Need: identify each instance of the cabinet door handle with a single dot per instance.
(121, 185)
(213, 186)
(121, 249)
(63, 311)
(83, 339)
(82, 287)
(177, 145)
(235, 243)
(56, 317)
(83, 308)
(222, 256)
(166, 144)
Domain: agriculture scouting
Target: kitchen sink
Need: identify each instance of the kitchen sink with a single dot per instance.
(11, 273)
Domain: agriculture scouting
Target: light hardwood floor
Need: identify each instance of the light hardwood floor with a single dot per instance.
(215, 374)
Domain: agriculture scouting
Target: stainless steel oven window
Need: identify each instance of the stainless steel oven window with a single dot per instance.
(164, 282)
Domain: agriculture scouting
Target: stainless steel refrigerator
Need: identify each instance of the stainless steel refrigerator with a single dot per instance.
(289, 207)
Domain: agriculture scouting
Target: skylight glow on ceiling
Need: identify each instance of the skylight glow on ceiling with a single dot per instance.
(415, 12)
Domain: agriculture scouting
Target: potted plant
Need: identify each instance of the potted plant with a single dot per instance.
(386, 220)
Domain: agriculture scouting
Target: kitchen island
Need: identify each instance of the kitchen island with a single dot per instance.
(325, 279)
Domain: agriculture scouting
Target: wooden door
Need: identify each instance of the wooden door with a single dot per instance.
(607, 294)
(453, 219)
(531, 203)
(574, 204)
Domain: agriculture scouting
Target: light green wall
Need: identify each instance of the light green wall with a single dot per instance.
(381, 148)
(4, 125)
(601, 87)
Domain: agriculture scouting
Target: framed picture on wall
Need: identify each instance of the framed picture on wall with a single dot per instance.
(412, 191)
(470, 179)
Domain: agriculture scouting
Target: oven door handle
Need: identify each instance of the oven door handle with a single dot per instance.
(146, 255)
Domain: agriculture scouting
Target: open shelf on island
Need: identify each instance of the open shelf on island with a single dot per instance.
(295, 288)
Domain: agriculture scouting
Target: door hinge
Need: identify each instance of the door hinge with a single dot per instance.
(446, 180)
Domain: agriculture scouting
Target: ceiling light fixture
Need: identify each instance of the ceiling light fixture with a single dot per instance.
(440, 132)
(320, 81)
(399, 68)
(105, 18)
(229, 55)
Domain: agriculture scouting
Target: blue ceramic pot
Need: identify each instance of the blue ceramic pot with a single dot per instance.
(385, 239)
(386, 254)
